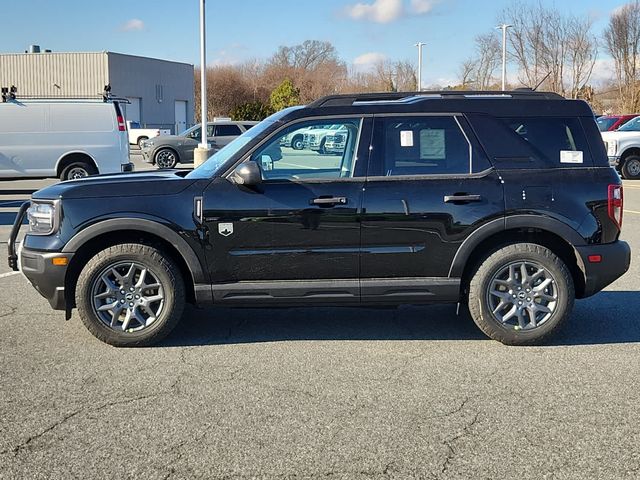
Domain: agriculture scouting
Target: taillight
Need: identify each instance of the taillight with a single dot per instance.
(122, 127)
(616, 200)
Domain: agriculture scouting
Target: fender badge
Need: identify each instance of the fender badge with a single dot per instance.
(225, 229)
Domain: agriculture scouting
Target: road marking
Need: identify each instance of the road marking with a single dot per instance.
(9, 274)
(306, 167)
(632, 211)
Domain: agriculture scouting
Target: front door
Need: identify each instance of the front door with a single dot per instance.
(429, 187)
(296, 236)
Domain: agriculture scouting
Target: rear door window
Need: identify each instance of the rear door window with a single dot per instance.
(227, 130)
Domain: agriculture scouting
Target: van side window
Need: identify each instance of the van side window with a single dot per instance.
(420, 146)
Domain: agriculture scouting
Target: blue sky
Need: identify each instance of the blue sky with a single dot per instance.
(238, 30)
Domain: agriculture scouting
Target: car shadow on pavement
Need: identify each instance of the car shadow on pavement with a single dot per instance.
(609, 317)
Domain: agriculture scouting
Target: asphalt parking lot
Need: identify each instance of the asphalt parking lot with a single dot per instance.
(312, 393)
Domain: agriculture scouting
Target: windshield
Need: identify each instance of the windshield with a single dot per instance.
(605, 123)
(222, 156)
(631, 126)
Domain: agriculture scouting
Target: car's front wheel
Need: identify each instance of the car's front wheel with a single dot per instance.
(130, 295)
(631, 168)
(521, 294)
(166, 158)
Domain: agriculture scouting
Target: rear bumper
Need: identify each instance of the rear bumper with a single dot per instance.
(127, 167)
(615, 261)
(47, 278)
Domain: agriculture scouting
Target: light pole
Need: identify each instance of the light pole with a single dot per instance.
(201, 153)
(419, 45)
(504, 28)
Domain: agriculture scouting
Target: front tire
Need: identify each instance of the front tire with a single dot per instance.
(297, 143)
(165, 158)
(631, 168)
(130, 295)
(521, 294)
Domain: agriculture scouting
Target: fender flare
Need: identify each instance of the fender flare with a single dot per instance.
(75, 152)
(149, 226)
(498, 225)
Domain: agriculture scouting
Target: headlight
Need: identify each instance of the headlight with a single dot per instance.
(147, 143)
(612, 148)
(42, 218)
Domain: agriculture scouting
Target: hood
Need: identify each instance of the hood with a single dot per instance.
(606, 136)
(162, 182)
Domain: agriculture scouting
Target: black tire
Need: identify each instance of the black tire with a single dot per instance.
(140, 140)
(631, 168)
(298, 142)
(163, 272)
(77, 170)
(322, 151)
(479, 299)
(165, 158)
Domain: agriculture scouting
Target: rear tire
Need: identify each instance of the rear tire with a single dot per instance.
(77, 170)
(631, 168)
(516, 309)
(130, 295)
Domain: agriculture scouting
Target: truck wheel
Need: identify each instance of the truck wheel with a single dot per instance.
(521, 294)
(297, 143)
(76, 170)
(631, 168)
(130, 295)
(322, 151)
(166, 158)
(141, 141)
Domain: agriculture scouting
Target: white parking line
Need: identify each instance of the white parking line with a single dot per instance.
(632, 211)
(8, 274)
(307, 167)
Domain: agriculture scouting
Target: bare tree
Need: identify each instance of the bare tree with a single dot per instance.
(582, 48)
(478, 72)
(622, 38)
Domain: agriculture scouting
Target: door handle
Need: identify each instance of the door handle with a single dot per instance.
(329, 201)
(462, 198)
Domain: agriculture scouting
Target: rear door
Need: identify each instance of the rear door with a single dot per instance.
(429, 186)
(225, 133)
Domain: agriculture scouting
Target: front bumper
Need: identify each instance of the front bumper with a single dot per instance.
(147, 155)
(615, 259)
(47, 278)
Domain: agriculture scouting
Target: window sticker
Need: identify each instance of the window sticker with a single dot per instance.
(569, 156)
(432, 143)
(406, 138)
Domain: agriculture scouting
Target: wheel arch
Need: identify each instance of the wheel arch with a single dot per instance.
(110, 232)
(551, 233)
(628, 151)
(77, 155)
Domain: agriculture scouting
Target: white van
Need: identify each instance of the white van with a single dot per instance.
(68, 139)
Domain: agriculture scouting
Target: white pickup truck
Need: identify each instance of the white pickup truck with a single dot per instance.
(137, 134)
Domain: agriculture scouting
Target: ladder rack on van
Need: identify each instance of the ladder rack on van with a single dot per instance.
(10, 93)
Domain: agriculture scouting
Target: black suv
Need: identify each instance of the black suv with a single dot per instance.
(502, 202)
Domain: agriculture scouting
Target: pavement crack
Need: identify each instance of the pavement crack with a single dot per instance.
(12, 311)
(26, 443)
(451, 450)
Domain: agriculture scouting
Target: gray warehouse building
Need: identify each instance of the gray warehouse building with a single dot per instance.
(161, 92)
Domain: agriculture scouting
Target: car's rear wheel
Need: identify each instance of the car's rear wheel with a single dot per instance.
(631, 168)
(166, 158)
(521, 294)
(130, 295)
(77, 170)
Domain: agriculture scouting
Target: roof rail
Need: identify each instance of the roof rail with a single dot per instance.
(410, 97)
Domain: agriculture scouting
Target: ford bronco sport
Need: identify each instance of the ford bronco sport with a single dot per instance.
(501, 202)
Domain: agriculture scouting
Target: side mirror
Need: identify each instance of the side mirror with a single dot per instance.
(247, 173)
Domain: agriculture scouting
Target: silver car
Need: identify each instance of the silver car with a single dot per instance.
(168, 150)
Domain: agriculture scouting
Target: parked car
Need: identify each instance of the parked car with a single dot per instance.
(336, 140)
(62, 138)
(623, 149)
(609, 123)
(168, 150)
(137, 134)
(294, 139)
(315, 139)
(506, 206)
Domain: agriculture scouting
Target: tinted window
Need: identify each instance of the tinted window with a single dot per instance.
(227, 130)
(326, 151)
(557, 141)
(631, 126)
(420, 146)
(605, 123)
(247, 126)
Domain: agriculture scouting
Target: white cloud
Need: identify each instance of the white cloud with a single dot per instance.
(604, 70)
(422, 7)
(380, 11)
(366, 61)
(386, 11)
(133, 25)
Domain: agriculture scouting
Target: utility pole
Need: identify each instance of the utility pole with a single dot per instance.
(202, 152)
(504, 28)
(419, 45)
